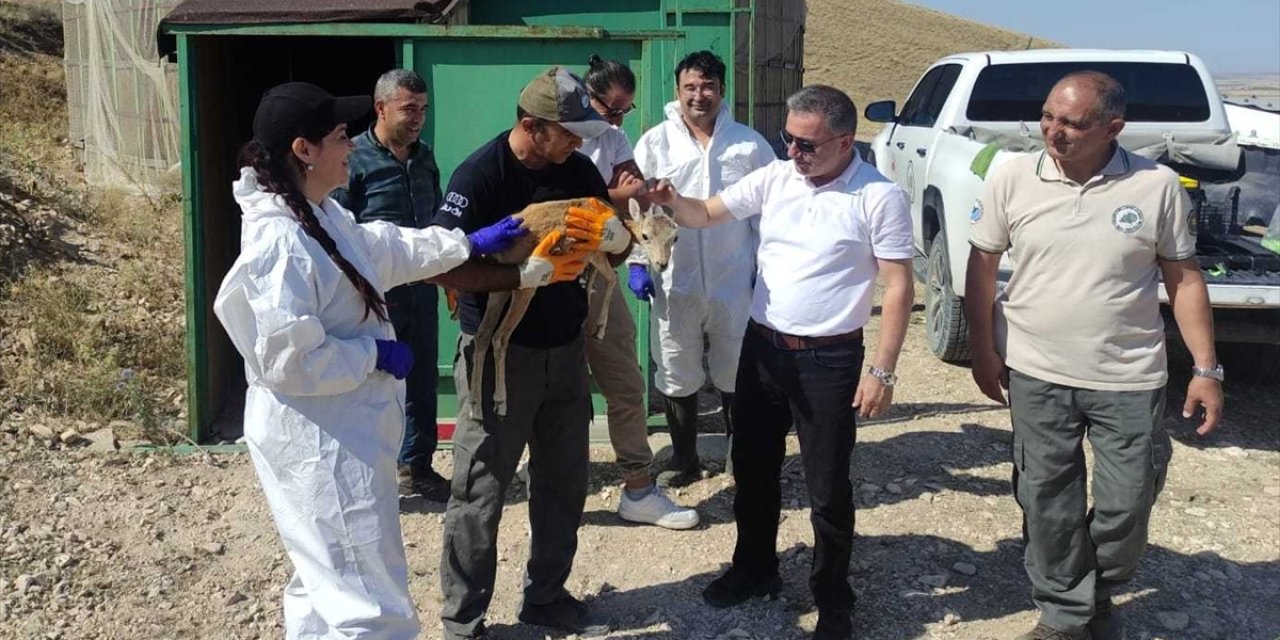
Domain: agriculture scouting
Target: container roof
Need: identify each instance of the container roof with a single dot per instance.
(291, 11)
(256, 12)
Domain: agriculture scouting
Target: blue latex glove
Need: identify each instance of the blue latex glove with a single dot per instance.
(395, 358)
(497, 237)
(640, 283)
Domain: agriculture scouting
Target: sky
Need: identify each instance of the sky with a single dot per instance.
(1231, 36)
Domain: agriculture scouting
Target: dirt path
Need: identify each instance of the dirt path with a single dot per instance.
(155, 546)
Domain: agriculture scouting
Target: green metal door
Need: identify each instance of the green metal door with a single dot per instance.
(474, 85)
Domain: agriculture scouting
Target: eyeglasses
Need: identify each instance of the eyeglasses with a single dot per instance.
(802, 145)
(614, 113)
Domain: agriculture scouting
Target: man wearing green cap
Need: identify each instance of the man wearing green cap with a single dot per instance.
(549, 401)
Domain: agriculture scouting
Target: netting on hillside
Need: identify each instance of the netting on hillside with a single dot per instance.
(122, 98)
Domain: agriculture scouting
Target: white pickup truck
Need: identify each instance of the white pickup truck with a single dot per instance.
(971, 112)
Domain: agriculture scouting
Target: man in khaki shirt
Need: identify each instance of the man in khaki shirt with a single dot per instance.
(1078, 341)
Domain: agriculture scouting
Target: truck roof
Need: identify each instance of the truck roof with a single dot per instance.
(1072, 55)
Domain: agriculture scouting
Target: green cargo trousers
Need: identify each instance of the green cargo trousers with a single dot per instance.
(1076, 555)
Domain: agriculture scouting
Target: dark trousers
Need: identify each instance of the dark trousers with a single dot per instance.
(812, 389)
(414, 314)
(1077, 555)
(549, 409)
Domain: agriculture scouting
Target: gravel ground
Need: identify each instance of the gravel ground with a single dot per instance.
(116, 545)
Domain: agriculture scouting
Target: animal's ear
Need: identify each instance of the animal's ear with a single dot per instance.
(634, 208)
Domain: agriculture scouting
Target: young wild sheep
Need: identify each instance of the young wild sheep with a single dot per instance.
(652, 230)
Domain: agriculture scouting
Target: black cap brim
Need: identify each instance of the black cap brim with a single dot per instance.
(348, 109)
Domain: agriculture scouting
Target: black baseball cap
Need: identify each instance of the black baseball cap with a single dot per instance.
(289, 110)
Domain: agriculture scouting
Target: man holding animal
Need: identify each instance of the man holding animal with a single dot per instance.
(830, 226)
(548, 404)
(705, 293)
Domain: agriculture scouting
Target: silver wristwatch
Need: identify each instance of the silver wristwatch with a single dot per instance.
(885, 377)
(1215, 373)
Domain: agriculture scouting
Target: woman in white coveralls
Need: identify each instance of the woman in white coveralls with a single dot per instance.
(324, 411)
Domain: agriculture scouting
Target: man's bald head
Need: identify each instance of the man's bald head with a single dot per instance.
(1104, 91)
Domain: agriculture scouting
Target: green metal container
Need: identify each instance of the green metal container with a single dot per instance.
(474, 72)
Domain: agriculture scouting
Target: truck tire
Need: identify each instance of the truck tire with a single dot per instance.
(945, 324)
(1253, 363)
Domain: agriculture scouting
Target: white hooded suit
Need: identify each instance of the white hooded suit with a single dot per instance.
(706, 289)
(323, 425)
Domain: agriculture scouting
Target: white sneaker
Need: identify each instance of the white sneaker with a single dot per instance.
(656, 508)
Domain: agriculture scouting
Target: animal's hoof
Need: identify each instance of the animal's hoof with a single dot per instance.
(500, 408)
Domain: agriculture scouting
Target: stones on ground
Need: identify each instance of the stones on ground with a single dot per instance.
(951, 619)
(893, 488)
(1173, 620)
(30, 582)
(935, 580)
(738, 633)
(40, 431)
(964, 568)
(1198, 512)
(1233, 572)
(213, 548)
(867, 487)
(102, 440)
(69, 437)
(1271, 491)
(235, 599)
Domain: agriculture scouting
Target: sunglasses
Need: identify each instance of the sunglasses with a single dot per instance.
(802, 145)
(614, 113)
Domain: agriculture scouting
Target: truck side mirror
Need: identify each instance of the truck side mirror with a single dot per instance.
(882, 111)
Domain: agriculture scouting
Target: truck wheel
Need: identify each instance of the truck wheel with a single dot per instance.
(1254, 363)
(945, 324)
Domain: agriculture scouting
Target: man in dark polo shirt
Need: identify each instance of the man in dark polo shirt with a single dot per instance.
(549, 402)
(393, 177)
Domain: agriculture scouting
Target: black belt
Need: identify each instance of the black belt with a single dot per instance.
(800, 343)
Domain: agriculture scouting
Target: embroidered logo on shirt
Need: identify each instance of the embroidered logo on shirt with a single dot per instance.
(976, 214)
(1127, 219)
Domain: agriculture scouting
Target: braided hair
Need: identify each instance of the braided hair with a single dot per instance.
(276, 176)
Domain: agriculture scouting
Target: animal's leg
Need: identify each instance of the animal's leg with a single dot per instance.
(484, 337)
(501, 338)
(602, 269)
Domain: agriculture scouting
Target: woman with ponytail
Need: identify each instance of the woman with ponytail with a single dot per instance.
(324, 411)
(613, 363)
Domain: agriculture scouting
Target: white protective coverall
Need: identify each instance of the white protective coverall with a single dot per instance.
(323, 426)
(706, 289)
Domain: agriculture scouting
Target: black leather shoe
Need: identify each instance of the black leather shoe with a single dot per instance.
(736, 587)
(567, 614)
(1105, 624)
(426, 483)
(676, 477)
(833, 624)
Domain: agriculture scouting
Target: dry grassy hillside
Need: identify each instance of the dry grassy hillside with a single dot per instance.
(91, 323)
(877, 49)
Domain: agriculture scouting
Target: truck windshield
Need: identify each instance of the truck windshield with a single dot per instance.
(1157, 92)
